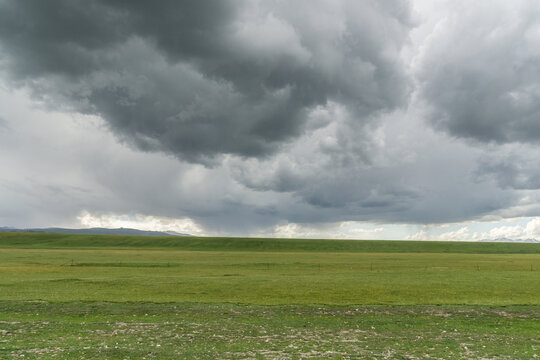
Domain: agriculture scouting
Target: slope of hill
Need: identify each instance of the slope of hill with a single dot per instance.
(191, 243)
(95, 231)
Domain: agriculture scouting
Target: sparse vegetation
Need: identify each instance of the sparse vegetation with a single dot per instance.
(42, 330)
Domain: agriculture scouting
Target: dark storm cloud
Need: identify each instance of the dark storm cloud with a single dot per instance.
(511, 171)
(481, 71)
(301, 107)
(203, 78)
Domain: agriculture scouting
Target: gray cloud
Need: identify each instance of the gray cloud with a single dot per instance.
(60, 166)
(200, 79)
(480, 71)
(302, 108)
(385, 175)
(4, 125)
(511, 169)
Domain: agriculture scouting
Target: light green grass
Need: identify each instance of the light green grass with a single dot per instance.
(267, 278)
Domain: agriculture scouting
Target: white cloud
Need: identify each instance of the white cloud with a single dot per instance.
(461, 234)
(510, 232)
(533, 228)
(141, 222)
(292, 230)
(337, 230)
(420, 235)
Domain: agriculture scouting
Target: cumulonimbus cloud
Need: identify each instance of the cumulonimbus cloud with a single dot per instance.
(197, 79)
(480, 71)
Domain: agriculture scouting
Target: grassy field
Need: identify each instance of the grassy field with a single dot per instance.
(224, 331)
(60, 241)
(84, 296)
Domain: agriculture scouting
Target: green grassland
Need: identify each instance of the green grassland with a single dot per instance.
(60, 241)
(266, 271)
(42, 330)
(86, 296)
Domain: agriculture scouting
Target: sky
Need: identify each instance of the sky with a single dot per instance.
(311, 118)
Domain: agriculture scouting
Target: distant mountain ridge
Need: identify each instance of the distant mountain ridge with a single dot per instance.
(94, 231)
(503, 239)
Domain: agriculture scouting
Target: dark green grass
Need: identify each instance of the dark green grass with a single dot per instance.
(56, 241)
(37, 330)
(126, 264)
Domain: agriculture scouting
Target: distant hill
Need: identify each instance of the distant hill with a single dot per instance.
(511, 240)
(95, 231)
(196, 243)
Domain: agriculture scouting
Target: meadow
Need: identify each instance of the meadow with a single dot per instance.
(86, 296)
